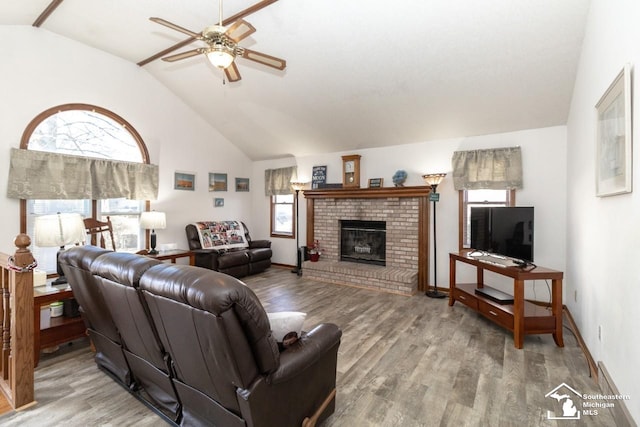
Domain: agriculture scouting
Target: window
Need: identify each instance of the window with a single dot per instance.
(282, 216)
(471, 198)
(125, 219)
(88, 131)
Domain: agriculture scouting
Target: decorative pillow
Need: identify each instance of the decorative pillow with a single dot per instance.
(221, 234)
(284, 322)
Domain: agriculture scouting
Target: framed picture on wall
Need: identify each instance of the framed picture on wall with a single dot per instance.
(217, 182)
(613, 137)
(218, 202)
(184, 181)
(242, 184)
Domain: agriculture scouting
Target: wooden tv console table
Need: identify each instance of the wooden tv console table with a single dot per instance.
(521, 317)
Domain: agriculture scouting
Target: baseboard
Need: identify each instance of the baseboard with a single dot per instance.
(279, 265)
(620, 413)
(601, 376)
(593, 367)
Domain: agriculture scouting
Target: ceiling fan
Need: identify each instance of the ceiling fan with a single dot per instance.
(222, 46)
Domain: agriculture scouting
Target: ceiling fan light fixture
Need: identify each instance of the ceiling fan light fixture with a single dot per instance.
(221, 56)
(222, 50)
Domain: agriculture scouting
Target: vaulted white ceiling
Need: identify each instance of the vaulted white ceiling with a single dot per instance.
(360, 73)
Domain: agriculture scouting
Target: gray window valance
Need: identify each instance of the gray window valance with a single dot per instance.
(493, 169)
(44, 175)
(278, 181)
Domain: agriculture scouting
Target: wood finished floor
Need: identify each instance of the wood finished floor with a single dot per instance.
(403, 361)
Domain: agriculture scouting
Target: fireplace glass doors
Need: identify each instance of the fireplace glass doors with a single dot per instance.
(363, 241)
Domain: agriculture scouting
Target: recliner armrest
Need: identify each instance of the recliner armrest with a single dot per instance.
(310, 347)
(207, 258)
(259, 244)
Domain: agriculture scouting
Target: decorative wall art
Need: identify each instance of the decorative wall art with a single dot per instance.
(613, 137)
(218, 202)
(318, 177)
(217, 182)
(242, 184)
(184, 181)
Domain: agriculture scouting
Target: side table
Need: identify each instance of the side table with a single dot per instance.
(173, 255)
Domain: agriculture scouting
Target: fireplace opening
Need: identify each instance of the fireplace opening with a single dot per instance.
(363, 241)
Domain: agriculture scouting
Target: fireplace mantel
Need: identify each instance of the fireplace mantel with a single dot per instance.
(367, 193)
(420, 193)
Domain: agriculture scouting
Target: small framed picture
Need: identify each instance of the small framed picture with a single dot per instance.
(217, 182)
(218, 202)
(184, 181)
(242, 184)
(376, 182)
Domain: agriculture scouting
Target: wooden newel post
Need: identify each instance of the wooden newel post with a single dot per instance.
(23, 257)
(17, 321)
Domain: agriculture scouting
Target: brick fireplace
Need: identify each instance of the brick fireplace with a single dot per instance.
(405, 212)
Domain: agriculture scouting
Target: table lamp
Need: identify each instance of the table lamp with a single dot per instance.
(153, 220)
(58, 230)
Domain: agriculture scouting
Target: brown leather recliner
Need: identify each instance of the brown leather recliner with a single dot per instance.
(228, 366)
(214, 338)
(95, 312)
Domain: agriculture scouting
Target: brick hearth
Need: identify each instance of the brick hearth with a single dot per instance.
(405, 211)
(390, 279)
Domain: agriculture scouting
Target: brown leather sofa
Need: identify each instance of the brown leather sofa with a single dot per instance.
(196, 346)
(234, 262)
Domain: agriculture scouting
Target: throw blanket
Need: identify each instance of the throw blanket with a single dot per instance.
(221, 234)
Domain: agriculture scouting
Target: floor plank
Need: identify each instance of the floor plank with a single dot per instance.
(403, 361)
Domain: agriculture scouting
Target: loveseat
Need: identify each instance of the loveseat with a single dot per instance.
(196, 345)
(227, 247)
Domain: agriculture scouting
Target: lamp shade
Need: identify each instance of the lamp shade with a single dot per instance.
(58, 230)
(297, 186)
(433, 178)
(153, 220)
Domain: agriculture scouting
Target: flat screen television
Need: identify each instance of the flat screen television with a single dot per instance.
(504, 231)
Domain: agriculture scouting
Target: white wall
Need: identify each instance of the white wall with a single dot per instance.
(603, 233)
(544, 160)
(40, 70)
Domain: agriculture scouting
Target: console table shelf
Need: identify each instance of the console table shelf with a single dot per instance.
(60, 329)
(521, 317)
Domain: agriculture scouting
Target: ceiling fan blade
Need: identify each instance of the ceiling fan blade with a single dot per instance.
(248, 11)
(241, 29)
(232, 73)
(175, 27)
(184, 55)
(263, 58)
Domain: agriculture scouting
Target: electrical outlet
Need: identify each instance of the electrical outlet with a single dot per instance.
(599, 332)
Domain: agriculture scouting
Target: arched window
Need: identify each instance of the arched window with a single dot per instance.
(87, 131)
